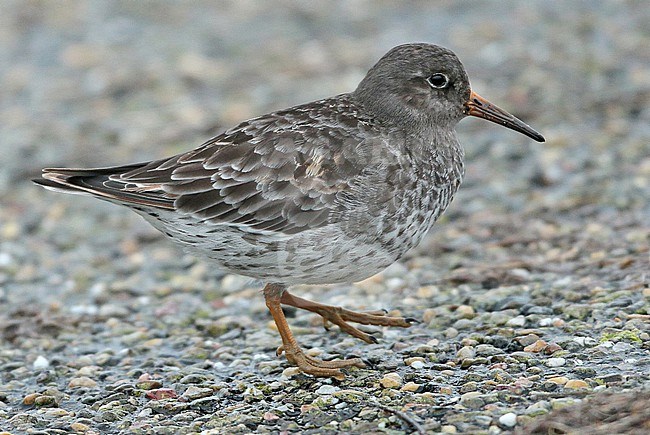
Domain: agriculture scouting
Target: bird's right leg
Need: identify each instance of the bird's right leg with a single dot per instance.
(294, 354)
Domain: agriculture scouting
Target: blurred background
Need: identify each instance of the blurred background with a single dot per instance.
(99, 83)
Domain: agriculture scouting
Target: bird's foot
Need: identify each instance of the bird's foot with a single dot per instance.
(317, 367)
(340, 316)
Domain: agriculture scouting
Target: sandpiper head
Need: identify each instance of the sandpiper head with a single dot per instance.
(426, 85)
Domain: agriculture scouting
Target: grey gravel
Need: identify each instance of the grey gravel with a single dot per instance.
(542, 258)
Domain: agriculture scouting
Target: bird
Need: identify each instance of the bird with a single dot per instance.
(331, 191)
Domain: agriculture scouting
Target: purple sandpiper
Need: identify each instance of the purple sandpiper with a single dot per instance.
(330, 191)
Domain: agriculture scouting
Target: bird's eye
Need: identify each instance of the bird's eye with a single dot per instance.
(438, 81)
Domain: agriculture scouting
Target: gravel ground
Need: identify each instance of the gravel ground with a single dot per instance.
(533, 289)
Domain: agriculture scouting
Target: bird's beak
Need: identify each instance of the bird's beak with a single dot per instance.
(482, 108)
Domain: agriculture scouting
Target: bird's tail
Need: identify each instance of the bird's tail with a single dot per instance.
(103, 183)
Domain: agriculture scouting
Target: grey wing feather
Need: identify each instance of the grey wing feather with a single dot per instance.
(280, 172)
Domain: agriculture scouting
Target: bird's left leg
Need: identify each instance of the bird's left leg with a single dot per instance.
(340, 316)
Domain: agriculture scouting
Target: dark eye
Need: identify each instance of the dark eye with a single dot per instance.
(438, 81)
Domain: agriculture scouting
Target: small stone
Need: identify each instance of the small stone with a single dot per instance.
(551, 348)
(149, 384)
(469, 342)
(269, 416)
(193, 392)
(611, 378)
(472, 400)
(290, 371)
(448, 428)
(527, 340)
(469, 386)
(555, 362)
(82, 381)
(559, 380)
(391, 380)
(411, 386)
(538, 408)
(45, 401)
(563, 402)
(576, 384)
(29, 399)
(622, 346)
(451, 333)
(427, 292)
(488, 350)
(40, 363)
(516, 322)
(161, 393)
(465, 352)
(508, 420)
(428, 315)
(327, 390)
(88, 371)
(465, 312)
(79, 427)
(417, 362)
(536, 347)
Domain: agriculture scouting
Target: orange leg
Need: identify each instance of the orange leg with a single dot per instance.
(273, 294)
(340, 316)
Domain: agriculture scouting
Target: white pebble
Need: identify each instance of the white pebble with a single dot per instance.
(327, 389)
(40, 363)
(5, 259)
(555, 362)
(516, 321)
(417, 365)
(508, 420)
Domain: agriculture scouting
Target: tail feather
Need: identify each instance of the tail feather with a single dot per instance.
(104, 183)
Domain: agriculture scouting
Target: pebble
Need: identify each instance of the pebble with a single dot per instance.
(29, 399)
(82, 381)
(555, 362)
(45, 401)
(411, 386)
(559, 380)
(488, 350)
(465, 312)
(391, 380)
(80, 427)
(327, 389)
(576, 384)
(465, 352)
(528, 340)
(508, 420)
(193, 392)
(472, 400)
(417, 362)
(537, 346)
(290, 371)
(518, 321)
(40, 363)
(563, 402)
